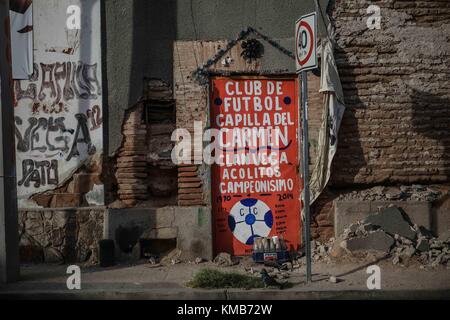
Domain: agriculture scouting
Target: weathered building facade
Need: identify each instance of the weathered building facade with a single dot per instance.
(94, 123)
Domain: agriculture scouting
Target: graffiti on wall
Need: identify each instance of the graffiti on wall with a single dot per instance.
(58, 110)
(44, 140)
(53, 86)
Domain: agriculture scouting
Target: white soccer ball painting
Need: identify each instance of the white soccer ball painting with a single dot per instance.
(250, 219)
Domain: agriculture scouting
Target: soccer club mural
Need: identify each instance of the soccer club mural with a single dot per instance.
(255, 183)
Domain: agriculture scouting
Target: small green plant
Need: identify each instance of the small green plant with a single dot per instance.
(213, 279)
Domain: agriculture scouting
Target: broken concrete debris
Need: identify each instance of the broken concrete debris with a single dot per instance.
(388, 232)
(392, 221)
(198, 260)
(225, 260)
(320, 252)
(334, 279)
(377, 240)
(171, 258)
(423, 245)
(402, 193)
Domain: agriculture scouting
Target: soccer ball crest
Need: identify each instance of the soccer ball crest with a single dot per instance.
(250, 219)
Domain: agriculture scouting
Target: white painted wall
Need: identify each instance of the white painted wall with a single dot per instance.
(67, 91)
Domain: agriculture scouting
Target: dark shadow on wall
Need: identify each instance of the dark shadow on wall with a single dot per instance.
(431, 119)
(154, 32)
(349, 159)
(86, 52)
(105, 89)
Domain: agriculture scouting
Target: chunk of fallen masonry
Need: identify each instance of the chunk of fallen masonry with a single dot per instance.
(423, 245)
(422, 232)
(391, 220)
(225, 260)
(378, 241)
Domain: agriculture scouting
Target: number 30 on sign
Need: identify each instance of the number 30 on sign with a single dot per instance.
(306, 42)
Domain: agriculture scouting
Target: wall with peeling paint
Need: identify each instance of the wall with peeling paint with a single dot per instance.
(59, 111)
(140, 36)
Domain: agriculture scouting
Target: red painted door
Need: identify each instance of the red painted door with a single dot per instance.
(255, 182)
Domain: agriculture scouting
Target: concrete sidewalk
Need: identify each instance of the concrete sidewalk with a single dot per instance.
(144, 281)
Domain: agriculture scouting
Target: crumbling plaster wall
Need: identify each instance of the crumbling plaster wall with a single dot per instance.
(395, 80)
(139, 37)
(191, 96)
(396, 84)
(59, 110)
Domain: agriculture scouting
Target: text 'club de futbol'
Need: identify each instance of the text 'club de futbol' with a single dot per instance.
(255, 183)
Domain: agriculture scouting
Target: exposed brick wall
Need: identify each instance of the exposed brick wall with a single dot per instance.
(192, 105)
(315, 102)
(192, 101)
(74, 192)
(397, 91)
(145, 174)
(322, 212)
(190, 186)
(131, 173)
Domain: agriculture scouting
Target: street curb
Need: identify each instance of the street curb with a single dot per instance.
(234, 295)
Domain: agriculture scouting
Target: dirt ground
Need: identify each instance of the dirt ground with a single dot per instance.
(144, 276)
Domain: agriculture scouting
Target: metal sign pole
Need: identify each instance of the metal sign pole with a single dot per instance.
(306, 196)
(306, 59)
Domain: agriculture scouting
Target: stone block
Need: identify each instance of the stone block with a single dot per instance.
(194, 232)
(423, 245)
(348, 212)
(191, 226)
(392, 221)
(378, 241)
(162, 233)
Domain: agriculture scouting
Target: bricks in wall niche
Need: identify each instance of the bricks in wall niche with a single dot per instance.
(322, 212)
(190, 186)
(182, 185)
(189, 180)
(190, 203)
(131, 169)
(190, 196)
(66, 200)
(396, 87)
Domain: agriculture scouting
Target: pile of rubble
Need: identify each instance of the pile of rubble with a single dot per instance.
(320, 251)
(402, 193)
(389, 232)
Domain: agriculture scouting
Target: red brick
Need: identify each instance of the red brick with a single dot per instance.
(190, 196)
(190, 191)
(66, 200)
(189, 203)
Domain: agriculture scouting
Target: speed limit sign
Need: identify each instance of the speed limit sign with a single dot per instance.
(306, 42)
